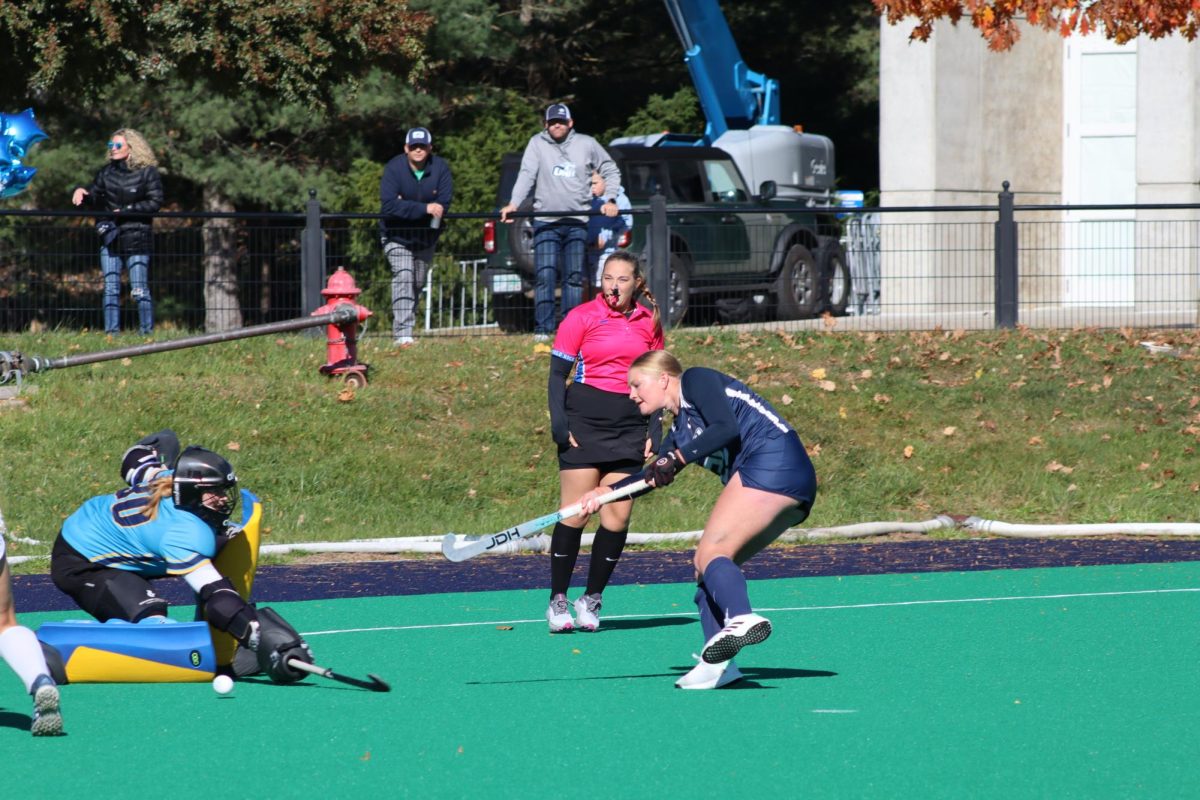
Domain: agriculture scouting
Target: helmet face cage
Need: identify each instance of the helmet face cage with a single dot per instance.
(199, 472)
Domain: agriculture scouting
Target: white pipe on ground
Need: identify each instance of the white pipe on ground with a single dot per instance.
(1103, 529)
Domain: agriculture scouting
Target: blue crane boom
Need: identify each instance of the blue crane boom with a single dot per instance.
(732, 95)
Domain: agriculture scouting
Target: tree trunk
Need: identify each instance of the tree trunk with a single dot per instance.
(222, 311)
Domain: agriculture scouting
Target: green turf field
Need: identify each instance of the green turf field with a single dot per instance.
(1070, 682)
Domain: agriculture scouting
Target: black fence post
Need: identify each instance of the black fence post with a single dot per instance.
(312, 255)
(1007, 296)
(660, 257)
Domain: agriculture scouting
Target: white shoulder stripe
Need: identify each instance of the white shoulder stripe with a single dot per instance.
(752, 401)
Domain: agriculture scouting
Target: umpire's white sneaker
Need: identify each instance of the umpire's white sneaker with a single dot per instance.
(559, 614)
(709, 676)
(739, 631)
(586, 612)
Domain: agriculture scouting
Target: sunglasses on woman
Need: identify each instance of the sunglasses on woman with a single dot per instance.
(116, 145)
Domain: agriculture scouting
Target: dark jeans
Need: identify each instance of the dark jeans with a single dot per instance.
(558, 253)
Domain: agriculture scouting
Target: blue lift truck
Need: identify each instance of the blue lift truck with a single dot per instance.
(753, 233)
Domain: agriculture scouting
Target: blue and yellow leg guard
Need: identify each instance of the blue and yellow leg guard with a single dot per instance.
(123, 652)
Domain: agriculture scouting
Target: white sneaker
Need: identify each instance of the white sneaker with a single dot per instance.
(47, 720)
(559, 614)
(709, 676)
(586, 608)
(541, 337)
(739, 631)
(403, 341)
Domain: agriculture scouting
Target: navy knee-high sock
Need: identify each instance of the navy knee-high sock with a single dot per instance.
(711, 618)
(564, 549)
(727, 586)
(606, 552)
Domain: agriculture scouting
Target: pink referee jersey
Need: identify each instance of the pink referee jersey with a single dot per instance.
(603, 343)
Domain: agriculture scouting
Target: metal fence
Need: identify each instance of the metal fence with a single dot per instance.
(967, 267)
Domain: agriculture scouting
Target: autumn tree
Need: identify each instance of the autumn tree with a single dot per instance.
(998, 20)
(245, 102)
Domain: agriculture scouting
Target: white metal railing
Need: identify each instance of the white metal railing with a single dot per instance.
(457, 301)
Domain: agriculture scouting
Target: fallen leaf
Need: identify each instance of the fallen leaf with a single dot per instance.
(818, 374)
(504, 627)
(908, 451)
(1034, 441)
(842, 412)
(234, 446)
(345, 395)
(786, 399)
(541, 347)
(882, 399)
(576, 651)
(949, 431)
(827, 386)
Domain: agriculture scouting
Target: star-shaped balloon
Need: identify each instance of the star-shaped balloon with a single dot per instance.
(18, 133)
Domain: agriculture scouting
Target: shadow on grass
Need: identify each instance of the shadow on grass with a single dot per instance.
(12, 719)
(634, 624)
(753, 675)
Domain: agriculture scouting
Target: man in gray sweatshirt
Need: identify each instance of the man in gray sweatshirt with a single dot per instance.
(557, 168)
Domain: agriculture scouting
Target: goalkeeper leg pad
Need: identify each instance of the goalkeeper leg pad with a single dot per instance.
(120, 652)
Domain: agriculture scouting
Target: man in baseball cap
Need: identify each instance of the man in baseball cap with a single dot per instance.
(556, 169)
(414, 195)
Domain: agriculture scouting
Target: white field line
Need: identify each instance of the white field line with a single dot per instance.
(897, 604)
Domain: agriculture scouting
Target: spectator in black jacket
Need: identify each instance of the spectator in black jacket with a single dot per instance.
(414, 195)
(129, 189)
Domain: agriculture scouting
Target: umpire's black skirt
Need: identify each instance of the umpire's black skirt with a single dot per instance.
(609, 429)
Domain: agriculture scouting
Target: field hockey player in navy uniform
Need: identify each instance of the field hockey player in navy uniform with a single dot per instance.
(769, 482)
(600, 433)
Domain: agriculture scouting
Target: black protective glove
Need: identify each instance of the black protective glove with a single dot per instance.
(662, 471)
(278, 643)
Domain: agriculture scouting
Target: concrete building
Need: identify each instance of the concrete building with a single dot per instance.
(1065, 121)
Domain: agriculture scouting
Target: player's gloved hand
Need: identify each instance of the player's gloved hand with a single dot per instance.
(139, 464)
(662, 471)
(279, 643)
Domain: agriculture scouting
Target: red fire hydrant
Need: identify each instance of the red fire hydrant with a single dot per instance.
(341, 341)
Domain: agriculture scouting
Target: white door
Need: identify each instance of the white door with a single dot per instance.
(1099, 158)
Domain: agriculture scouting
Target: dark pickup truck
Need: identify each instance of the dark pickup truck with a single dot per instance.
(734, 255)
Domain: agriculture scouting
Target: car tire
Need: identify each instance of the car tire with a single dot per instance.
(513, 312)
(835, 273)
(678, 286)
(520, 241)
(797, 289)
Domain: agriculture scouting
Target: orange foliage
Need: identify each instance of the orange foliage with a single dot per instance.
(998, 20)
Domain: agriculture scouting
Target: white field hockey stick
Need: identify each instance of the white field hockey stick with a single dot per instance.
(526, 529)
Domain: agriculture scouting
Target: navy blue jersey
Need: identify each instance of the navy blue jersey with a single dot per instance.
(114, 530)
(721, 421)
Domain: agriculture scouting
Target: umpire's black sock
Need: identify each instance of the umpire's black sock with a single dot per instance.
(606, 552)
(564, 549)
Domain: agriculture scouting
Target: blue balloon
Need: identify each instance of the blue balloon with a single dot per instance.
(18, 133)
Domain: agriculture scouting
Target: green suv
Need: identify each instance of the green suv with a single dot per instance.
(734, 256)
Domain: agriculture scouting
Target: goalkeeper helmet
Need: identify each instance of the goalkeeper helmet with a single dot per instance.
(204, 484)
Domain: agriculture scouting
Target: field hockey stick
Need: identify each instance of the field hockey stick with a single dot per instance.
(375, 684)
(527, 529)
